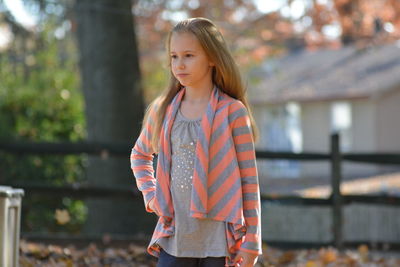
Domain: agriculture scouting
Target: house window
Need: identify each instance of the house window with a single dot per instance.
(283, 133)
(294, 126)
(341, 123)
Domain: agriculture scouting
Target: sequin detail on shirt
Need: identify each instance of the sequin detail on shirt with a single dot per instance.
(182, 175)
(183, 153)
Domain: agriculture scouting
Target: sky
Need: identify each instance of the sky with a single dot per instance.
(17, 9)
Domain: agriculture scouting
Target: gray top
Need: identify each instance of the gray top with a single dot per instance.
(193, 237)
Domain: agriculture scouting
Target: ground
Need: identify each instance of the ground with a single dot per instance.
(131, 254)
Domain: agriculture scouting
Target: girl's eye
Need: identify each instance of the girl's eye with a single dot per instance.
(187, 55)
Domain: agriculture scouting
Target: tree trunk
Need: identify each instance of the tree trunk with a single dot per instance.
(113, 106)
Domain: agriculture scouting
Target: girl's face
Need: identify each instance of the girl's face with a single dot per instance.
(189, 62)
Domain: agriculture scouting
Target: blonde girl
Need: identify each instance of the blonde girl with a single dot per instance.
(205, 191)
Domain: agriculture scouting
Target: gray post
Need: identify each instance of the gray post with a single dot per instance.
(336, 197)
(10, 217)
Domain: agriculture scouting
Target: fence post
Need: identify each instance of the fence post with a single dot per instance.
(336, 197)
(10, 217)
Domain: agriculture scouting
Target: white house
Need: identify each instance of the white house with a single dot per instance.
(302, 97)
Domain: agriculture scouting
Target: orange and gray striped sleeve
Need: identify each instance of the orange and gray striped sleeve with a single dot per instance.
(141, 159)
(245, 151)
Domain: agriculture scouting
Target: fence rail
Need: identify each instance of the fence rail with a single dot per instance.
(84, 191)
(123, 149)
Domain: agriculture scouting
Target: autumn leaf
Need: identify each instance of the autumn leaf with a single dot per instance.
(311, 264)
(62, 216)
(328, 255)
(363, 251)
(287, 257)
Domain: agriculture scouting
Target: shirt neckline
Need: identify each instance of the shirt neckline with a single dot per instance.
(185, 118)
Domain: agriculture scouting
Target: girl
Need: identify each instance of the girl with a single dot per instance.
(205, 191)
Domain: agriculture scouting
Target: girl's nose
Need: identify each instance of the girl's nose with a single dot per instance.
(180, 64)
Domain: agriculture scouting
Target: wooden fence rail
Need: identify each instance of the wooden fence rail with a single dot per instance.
(123, 150)
(84, 191)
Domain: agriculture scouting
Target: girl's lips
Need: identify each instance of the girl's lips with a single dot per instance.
(182, 75)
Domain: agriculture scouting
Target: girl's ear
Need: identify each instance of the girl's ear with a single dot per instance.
(211, 64)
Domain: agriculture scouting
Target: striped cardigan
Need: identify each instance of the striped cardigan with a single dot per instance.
(225, 179)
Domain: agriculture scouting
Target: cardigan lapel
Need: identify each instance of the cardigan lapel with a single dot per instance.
(163, 193)
(199, 198)
(198, 207)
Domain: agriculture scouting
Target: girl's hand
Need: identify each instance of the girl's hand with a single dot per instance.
(245, 259)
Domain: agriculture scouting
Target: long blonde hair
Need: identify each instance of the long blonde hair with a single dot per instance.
(225, 73)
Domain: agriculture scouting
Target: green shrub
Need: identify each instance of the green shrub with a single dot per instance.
(40, 101)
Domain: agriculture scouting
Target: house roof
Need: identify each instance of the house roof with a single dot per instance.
(345, 73)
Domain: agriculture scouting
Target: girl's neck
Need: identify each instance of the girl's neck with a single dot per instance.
(198, 95)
